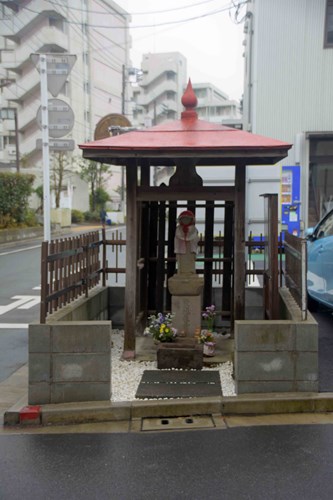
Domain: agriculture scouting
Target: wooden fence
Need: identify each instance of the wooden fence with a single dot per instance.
(69, 268)
(72, 266)
(296, 270)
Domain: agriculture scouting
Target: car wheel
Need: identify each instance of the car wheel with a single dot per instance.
(312, 304)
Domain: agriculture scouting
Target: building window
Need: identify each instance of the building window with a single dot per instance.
(57, 22)
(171, 75)
(171, 96)
(200, 93)
(328, 42)
(320, 177)
(7, 114)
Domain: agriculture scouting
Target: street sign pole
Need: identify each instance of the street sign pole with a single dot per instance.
(45, 148)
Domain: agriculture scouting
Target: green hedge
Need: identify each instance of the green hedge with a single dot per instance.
(15, 190)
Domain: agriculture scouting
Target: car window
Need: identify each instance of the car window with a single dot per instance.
(326, 227)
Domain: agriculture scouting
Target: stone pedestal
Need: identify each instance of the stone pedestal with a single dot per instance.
(183, 354)
(186, 303)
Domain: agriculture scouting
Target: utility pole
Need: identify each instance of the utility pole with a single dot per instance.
(123, 89)
(17, 142)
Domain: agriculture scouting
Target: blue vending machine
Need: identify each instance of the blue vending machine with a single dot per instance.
(290, 199)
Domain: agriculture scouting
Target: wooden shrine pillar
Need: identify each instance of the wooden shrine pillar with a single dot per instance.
(131, 262)
(239, 243)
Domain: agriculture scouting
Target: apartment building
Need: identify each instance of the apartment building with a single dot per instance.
(214, 105)
(158, 98)
(96, 32)
(288, 95)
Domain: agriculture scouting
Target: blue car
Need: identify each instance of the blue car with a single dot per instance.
(320, 263)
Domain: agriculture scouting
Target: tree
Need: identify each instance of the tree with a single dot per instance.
(95, 174)
(60, 167)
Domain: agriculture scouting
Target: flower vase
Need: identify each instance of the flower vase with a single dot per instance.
(209, 349)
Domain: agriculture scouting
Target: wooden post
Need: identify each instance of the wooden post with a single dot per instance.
(227, 264)
(209, 250)
(171, 265)
(239, 243)
(271, 271)
(131, 262)
(144, 246)
(160, 278)
(44, 288)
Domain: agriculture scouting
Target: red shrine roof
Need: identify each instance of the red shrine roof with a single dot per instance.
(189, 137)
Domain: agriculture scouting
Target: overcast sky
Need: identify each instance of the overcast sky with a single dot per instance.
(211, 42)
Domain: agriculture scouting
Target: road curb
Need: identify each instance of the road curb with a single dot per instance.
(105, 411)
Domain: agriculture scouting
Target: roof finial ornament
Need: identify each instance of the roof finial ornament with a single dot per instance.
(189, 101)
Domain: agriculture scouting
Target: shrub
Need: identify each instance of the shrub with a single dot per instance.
(30, 218)
(15, 190)
(91, 216)
(77, 216)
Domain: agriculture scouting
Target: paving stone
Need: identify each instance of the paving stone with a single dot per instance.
(178, 384)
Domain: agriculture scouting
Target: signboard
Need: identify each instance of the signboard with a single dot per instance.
(57, 145)
(61, 118)
(59, 67)
(113, 119)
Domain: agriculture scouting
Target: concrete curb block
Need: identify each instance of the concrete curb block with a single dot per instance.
(104, 411)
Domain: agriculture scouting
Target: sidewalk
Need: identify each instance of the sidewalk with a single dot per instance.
(14, 410)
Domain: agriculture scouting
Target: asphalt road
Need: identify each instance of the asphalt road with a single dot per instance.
(276, 462)
(19, 303)
(20, 297)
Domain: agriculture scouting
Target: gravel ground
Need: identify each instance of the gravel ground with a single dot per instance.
(126, 375)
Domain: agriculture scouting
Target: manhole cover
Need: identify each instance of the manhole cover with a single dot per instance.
(173, 423)
(178, 384)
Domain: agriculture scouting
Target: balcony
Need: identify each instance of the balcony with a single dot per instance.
(28, 146)
(48, 39)
(25, 87)
(24, 20)
(153, 92)
(8, 127)
(28, 115)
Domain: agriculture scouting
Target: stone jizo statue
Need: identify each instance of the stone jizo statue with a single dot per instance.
(186, 242)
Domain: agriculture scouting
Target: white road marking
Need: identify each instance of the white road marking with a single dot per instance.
(252, 280)
(20, 302)
(13, 326)
(19, 250)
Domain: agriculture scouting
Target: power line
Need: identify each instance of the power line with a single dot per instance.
(154, 25)
(142, 13)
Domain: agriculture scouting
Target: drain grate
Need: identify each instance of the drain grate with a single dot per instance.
(177, 423)
(178, 384)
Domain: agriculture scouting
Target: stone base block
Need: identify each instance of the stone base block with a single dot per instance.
(187, 311)
(185, 354)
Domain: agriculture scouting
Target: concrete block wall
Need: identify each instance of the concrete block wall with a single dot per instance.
(95, 307)
(69, 362)
(70, 355)
(279, 355)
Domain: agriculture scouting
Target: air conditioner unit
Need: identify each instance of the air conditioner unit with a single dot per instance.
(11, 151)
